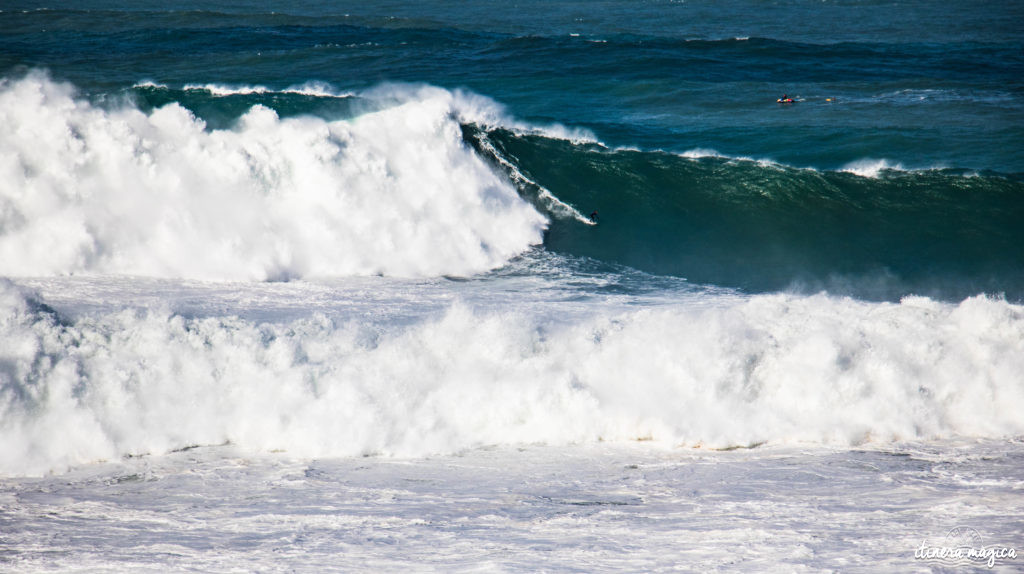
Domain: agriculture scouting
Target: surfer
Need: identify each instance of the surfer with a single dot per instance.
(593, 216)
(785, 99)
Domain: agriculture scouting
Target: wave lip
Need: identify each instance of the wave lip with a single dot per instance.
(871, 168)
(471, 108)
(394, 191)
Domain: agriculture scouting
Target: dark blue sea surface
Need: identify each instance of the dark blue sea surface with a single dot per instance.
(898, 169)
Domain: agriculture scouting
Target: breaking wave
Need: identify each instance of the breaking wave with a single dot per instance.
(771, 368)
(393, 191)
(873, 229)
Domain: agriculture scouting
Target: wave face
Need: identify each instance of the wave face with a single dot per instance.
(871, 229)
(776, 368)
(245, 182)
(87, 189)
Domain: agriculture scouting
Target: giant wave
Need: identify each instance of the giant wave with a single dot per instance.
(395, 191)
(221, 182)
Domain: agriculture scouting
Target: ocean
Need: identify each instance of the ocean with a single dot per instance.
(511, 286)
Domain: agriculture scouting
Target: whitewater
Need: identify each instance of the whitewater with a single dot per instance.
(458, 288)
(307, 304)
(122, 192)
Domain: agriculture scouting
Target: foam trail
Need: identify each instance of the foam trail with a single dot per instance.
(548, 200)
(224, 90)
(874, 168)
(318, 89)
(777, 368)
(702, 153)
(394, 192)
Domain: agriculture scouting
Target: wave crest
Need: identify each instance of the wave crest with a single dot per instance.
(394, 191)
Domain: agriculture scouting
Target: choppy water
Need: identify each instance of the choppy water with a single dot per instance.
(341, 230)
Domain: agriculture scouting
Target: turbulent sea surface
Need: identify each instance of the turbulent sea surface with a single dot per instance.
(511, 286)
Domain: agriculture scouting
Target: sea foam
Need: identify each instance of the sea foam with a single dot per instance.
(872, 168)
(739, 372)
(394, 191)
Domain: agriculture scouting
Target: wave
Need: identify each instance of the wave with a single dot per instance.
(871, 167)
(223, 104)
(393, 191)
(873, 229)
(318, 89)
(415, 180)
(773, 368)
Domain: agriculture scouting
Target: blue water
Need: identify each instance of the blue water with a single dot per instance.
(899, 169)
(317, 286)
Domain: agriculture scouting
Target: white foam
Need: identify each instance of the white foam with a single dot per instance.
(149, 84)
(320, 89)
(467, 107)
(699, 153)
(226, 90)
(473, 108)
(780, 368)
(312, 88)
(871, 167)
(395, 191)
(612, 507)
